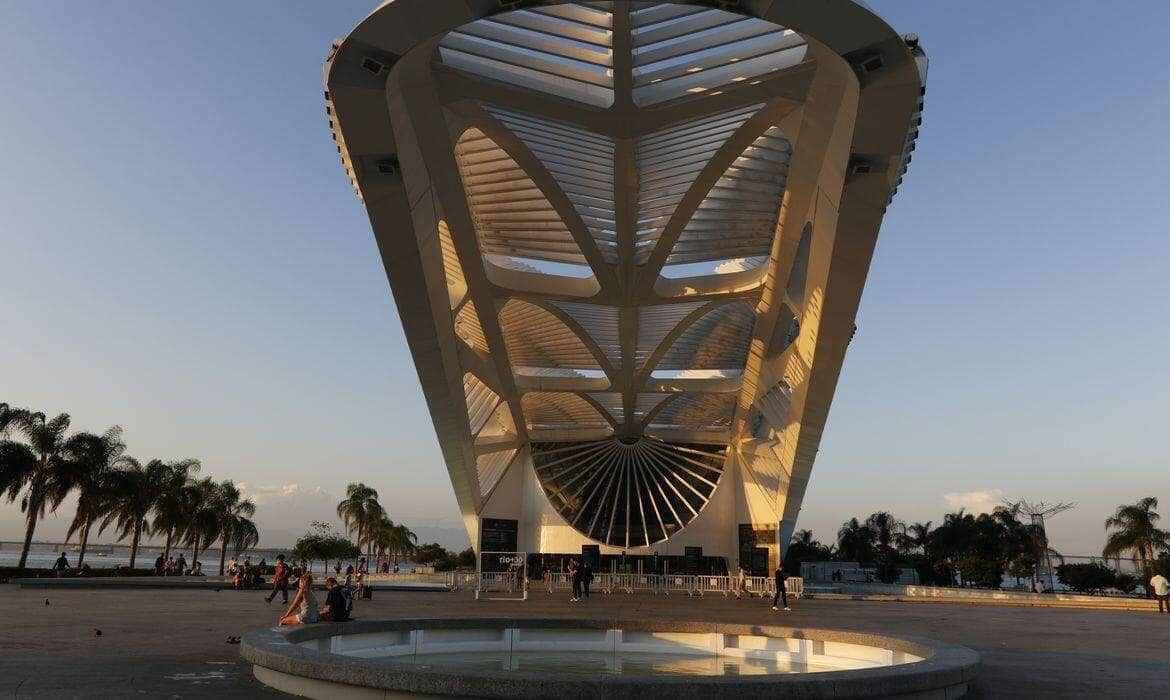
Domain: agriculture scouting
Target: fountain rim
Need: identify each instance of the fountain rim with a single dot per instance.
(278, 649)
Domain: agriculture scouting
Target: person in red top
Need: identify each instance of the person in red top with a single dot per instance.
(279, 580)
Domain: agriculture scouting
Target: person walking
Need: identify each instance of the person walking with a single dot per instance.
(160, 565)
(279, 580)
(586, 578)
(61, 565)
(741, 582)
(181, 565)
(781, 590)
(1161, 587)
(575, 576)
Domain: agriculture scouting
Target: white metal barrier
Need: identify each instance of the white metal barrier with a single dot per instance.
(638, 582)
(714, 584)
(504, 581)
(759, 586)
(604, 582)
(678, 583)
(558, 581)
(462, 580)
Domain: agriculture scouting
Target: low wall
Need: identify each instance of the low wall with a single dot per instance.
(200, 583)
(942, 593)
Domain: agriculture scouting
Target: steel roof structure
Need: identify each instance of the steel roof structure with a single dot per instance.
(627, 241)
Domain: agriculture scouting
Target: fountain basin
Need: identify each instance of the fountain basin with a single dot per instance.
(540, 658)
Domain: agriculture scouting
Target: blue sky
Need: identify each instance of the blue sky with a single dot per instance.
(181, 254)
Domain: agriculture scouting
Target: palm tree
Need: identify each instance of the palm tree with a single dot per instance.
(168, 502)
(92, 460)
(855, 541)
(885, 528)
(1136, 533)
(915, 537)
(358, 511)
(391, 539)
(8, 417)
(802, 538)
(200, 515)
(235, 521)
(402, 541)
(132, 493)
(33, 467)
(382, 536)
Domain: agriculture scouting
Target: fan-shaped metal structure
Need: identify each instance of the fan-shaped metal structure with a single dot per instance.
(628, 494)
(627, 241)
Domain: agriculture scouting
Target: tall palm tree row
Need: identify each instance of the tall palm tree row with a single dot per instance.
(42, 464)
(391, 539)
(359, 510)
(979, 548)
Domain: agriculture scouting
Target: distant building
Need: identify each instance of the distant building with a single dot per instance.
(627, 242)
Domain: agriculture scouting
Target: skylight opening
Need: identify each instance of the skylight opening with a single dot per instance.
(697, 374)
(543, 267)
(713, 267)
(566, 50)
(560, 372)
(679, 50)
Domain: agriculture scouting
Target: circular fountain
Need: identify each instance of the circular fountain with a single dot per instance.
(509, 658)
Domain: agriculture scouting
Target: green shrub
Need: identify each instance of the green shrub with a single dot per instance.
(1126, 583)
(984, 572)
(1086, 578)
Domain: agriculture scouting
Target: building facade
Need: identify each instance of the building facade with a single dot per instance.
(627, 241)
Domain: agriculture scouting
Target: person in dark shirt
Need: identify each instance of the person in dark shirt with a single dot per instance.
(781, 591)
(586, 578)
(335, 603)
(61, 564)
(575, 575)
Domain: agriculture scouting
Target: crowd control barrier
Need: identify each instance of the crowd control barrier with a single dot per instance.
(610, 583)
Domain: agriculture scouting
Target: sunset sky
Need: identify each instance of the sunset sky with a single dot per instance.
(181, 255)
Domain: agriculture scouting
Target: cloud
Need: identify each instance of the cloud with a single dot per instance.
(284, 511)
(283, 493)
(974, 502)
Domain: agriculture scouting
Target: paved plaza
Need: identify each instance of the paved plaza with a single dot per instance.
(164, 643)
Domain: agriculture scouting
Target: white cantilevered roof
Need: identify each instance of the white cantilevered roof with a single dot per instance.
(623, 276)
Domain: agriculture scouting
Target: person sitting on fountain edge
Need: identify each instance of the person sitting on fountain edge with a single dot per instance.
(336, 605)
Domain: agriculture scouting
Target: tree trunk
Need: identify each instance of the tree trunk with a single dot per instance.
(222, 553)
(1145, 570)
(195, 551)
(30, 525)
(134, 543)
(167, 549)
(83, 542)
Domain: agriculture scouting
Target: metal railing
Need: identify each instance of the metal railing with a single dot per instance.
(686, 584)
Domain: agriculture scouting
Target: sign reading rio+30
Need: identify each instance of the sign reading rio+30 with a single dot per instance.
(511, 559)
